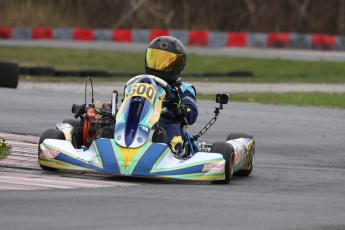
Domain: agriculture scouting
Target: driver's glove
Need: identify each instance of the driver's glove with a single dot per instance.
(176, 106)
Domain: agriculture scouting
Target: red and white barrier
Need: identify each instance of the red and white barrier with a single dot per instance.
(188, 37)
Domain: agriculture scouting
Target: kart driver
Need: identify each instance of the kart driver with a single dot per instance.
(166, 58)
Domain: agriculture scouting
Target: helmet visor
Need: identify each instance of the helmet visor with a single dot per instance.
(163, 60)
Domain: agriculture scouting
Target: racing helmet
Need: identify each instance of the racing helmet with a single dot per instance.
(165, 58)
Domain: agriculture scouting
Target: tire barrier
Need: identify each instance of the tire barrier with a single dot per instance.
(9, 74)
(37, 71)
(50, 71)
(201, 38)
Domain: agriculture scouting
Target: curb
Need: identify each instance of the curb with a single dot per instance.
(23, 154)
(201, 38)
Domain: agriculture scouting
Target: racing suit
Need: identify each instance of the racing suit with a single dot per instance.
(173, 122)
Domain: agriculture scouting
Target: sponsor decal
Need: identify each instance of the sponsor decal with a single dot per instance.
(213, 167)
(237, 157)
(48, 153)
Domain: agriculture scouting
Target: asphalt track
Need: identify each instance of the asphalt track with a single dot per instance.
(297, 183)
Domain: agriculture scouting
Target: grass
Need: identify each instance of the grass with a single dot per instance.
(5, 149)
(332, 100)
(266, 70)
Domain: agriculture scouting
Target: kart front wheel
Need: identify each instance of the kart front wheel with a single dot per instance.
(228, 154)
(232, 136)
(50, 134)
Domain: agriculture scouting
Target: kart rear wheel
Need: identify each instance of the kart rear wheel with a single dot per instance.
(77, 139)
(232, 136)
(247, 172)
(228, 154)
(50, 134)
(249, 169)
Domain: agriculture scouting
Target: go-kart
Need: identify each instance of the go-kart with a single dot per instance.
(129, 141)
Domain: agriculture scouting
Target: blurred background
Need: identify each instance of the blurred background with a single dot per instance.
(303, 16)
(309, 72)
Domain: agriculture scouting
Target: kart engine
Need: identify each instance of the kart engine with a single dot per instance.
(96, 123)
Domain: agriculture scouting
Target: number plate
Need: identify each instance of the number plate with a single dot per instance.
(143, 90)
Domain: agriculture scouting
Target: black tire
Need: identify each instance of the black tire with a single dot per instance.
(242, 172)
(232, 136)
(228, 154)
(50, 134)
(23, 70)
(9, 74)
(41, 71)
(67, 73)
(96, 73)
(77, 139)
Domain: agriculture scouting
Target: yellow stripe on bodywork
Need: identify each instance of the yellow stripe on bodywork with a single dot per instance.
(157, 109)
(249, 156)
(98, 155)
(53, 163)
(127, 158)
(250, 144)
(120, 115)
(198, 176)
(116, 150)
